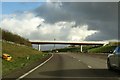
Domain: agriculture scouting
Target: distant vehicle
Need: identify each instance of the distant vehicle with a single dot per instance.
(113, 60)
(6, 57)
(56, 51)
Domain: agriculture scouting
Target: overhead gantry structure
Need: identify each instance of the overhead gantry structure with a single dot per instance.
(69, 43)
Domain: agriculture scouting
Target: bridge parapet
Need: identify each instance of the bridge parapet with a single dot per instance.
(71, 42)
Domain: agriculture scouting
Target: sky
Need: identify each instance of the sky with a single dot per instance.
(65, 21)
(15, 7)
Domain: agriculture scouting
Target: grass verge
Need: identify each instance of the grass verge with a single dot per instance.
(102, 49)
(21, 56)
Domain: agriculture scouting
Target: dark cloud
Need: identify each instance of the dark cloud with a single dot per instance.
(52, 13)
(102, 36)
(101, 16)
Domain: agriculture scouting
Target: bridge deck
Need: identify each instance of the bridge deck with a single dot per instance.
(71, 42)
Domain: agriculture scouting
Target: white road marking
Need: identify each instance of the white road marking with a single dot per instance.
(79, 60)
(89, 66)
(34, 69)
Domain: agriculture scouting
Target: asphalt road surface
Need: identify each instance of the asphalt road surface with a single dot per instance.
(69, 66)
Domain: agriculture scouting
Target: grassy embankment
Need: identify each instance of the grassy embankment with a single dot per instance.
(9, 36)
(105, 49)
(21, 51)
(102, 49)
(21, 56)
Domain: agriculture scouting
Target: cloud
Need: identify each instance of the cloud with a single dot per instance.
(36, 28)
(22, 24)
(102, 16)
(80, 33)
(66, 21)
(61, 31)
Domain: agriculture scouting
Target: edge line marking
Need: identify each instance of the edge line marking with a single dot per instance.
(34, 68)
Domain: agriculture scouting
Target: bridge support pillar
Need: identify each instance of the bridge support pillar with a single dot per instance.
(81, 48)
(39, 48)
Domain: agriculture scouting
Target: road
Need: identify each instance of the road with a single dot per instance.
(69, 66)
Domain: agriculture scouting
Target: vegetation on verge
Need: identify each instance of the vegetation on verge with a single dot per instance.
(8, 36)
(102, 49)
(105, 49)
(21, 56)
(21, 51)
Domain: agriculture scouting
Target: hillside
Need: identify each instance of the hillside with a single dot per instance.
(8, 36)
(21, 51)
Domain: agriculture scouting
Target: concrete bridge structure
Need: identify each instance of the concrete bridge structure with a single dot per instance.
(69, 43)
